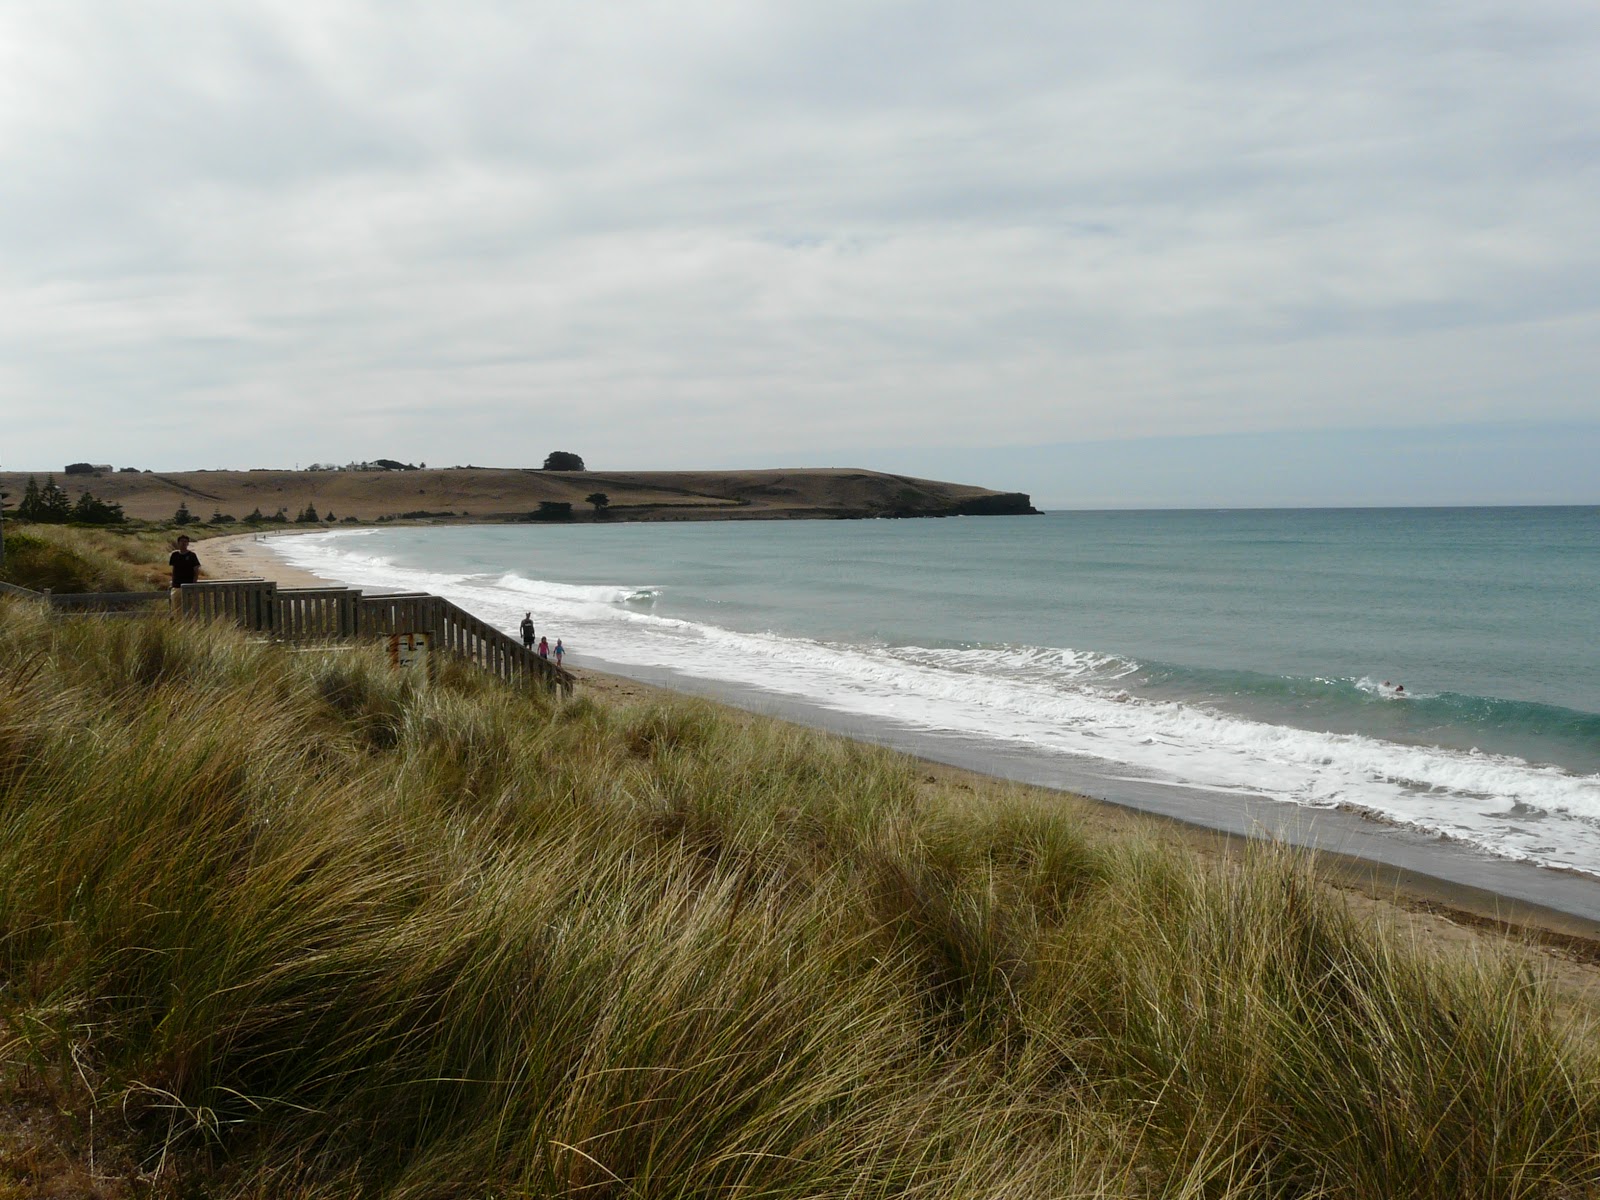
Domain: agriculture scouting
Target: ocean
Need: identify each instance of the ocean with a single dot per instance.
(1204, 658)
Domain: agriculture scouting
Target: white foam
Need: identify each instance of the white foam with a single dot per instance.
(1052, 701)
(1388, 690)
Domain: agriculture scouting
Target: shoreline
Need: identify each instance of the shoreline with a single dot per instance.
(246, 556)
(1449, 909)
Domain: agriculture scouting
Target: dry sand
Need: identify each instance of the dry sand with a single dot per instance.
(249, 556)
(1434, 910)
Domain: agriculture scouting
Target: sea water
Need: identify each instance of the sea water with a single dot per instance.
(1250, 654)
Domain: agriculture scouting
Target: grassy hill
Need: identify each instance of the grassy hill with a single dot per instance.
(492, 493)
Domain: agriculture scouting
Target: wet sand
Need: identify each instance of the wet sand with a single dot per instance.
(1433, 908)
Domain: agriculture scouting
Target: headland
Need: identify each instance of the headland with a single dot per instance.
(518, 494)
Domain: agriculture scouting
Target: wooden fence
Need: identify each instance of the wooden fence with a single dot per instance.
(103, 603)
(334, 614)
(345, 614)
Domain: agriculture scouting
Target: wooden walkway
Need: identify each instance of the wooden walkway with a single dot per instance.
(336, 614)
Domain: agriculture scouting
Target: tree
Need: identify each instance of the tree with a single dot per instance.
(309, 516)
(600, 501)
(183, 516)
(80, 468)
(57, 504)
(561, 460)
(29, 509)
(91, 511)
(47, 505)
(552, 510)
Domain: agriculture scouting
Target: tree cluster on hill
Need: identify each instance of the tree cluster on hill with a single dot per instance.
(50, 505)
(562, 460)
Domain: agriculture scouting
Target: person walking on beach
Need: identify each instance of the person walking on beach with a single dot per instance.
(527, 631)
(544, 648)
(558, 652)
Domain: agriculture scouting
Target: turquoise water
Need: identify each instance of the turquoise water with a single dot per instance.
(1237, 651)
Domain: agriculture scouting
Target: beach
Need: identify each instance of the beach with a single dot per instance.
(1436, 908)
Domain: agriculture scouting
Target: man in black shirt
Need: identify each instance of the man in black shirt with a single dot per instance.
(185, 563)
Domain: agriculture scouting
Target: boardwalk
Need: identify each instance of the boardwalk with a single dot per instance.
(338, 614)
(346, 614)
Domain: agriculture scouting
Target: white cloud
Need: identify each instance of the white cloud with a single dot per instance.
(665, 234)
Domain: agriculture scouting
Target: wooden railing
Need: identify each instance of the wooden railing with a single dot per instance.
(344, 614)
(315, 614)
(331, 614)
(102, 602)
(249, 602)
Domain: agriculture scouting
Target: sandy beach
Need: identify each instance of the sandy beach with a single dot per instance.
(249, 556)
(1434, 909)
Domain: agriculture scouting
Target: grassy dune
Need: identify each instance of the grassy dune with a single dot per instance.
(68, 559)
(291, 925)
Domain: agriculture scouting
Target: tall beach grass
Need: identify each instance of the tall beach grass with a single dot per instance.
(66, 558)
(293, 924)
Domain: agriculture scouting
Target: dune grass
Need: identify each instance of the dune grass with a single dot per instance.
(282, 924)
(65, 558)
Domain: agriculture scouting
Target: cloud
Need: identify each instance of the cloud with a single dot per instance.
(665, 234)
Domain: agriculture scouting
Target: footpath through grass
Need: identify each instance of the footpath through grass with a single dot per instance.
(292, 925)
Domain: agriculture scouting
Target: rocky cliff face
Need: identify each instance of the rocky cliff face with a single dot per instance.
(998, 504)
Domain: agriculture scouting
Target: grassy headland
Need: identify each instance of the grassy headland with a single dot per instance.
(291, 925)
(488, 494)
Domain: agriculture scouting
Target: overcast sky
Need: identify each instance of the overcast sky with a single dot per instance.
(1110, 253)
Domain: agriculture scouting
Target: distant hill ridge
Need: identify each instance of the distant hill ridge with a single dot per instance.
(496, 493)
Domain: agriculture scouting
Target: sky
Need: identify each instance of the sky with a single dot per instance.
(1111, 254)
